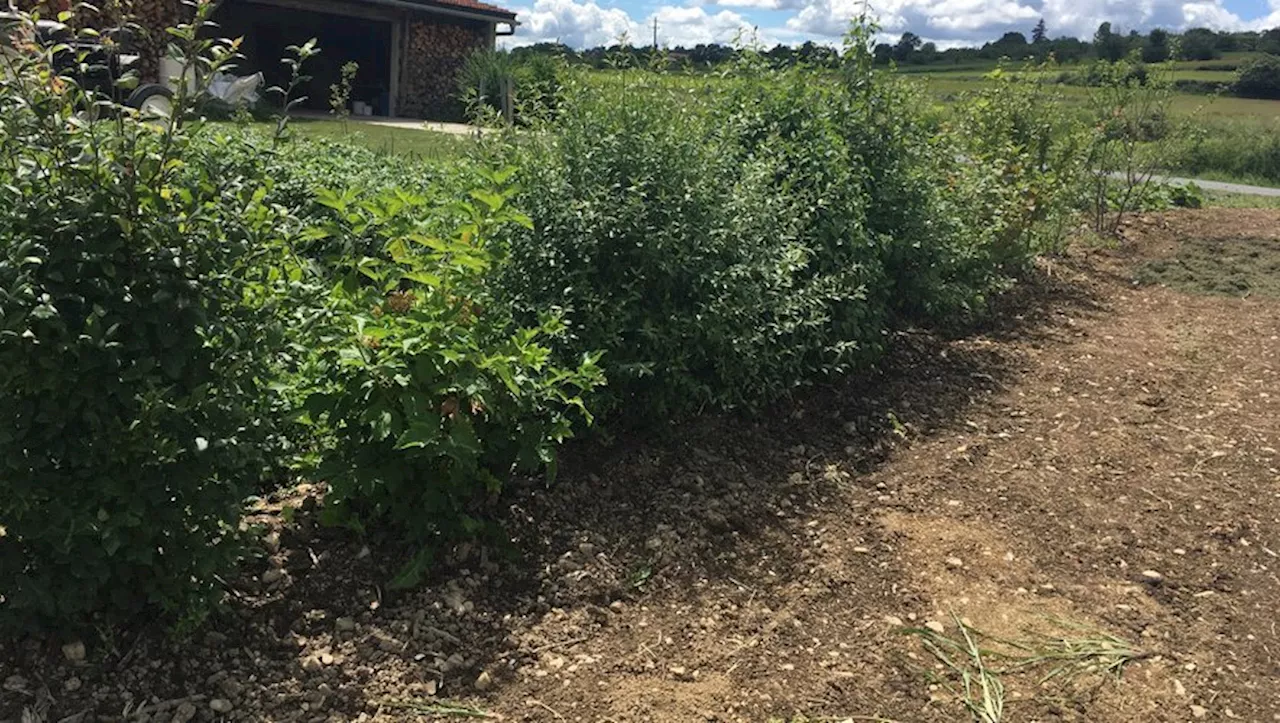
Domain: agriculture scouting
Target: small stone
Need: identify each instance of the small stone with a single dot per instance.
(271, 541)
(1179, 688)
(273, 576)
(345, 625)
(326, 658)
(1199, 711)
(679, 672)
(1152, 577)
(311, 664)
(15, 684)
(231, 687)
(894, 620)
(74, 651)
(220, 705)
(484, 681)
(587, 549)
(617, 606)
(936, 627)
(955, 562)
(71, 684)
(862, 550)
(185, 712)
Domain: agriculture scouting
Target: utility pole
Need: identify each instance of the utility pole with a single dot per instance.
(655, 32)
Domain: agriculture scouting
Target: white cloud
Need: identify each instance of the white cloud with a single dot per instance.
(585, 23)
(690, 26)
(580, 25)
(981, 20)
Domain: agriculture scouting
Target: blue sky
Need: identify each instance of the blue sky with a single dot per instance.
(585, 23)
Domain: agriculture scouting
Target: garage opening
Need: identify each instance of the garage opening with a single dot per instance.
(268, 31)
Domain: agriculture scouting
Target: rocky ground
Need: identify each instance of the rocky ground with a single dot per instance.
(1090, 480)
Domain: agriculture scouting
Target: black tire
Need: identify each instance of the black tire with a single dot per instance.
(154, 99)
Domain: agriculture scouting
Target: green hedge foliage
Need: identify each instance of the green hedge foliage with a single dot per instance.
(724, 242)
(137, 311)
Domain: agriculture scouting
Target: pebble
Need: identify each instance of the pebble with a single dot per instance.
(617, 606)
(345, 625)
(311, 664)
(272, 576)
(936, 627)
(894, 620)
(955, 562)
(1199, 711)
(74, 651)
(679, 672)
(15, 683)
(1153, 577)
(220, 705)
(185, 712)
(484, 681)
(71, 684)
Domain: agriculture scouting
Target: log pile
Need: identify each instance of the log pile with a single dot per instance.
(150, 40)
(434, 52)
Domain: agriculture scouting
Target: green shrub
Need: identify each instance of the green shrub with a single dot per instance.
(484, 77)
(136, 329)
(430, 392)
(1244, 150)
(533, 80)
(725, 242)
(1017, 192)
(1260, 78)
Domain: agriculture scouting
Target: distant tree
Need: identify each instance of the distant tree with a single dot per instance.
(1260, 78)
(780, 55)
(1199, 44)
(882, 53)
(928, 53)
(1109, 46)
(907, 45)
(1039, 33)
(813, 54)
(1269, 42)
(1156, 47)
(1068, 50)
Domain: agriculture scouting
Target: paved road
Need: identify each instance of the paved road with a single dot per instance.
(1216, 185)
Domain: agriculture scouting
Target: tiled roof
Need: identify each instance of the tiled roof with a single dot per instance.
(475, 5)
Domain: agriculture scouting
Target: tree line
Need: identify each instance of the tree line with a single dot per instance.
(1107, 43)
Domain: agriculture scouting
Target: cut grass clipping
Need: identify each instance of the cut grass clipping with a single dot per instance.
(1240, 267)
(972, 665)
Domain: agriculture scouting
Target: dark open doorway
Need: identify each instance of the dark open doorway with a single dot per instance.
(268, 31)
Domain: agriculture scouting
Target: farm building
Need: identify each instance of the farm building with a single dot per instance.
(408, 51)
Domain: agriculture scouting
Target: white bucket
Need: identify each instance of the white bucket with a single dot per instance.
(170, 69)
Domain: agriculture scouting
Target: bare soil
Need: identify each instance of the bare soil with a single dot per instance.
(1101, 456)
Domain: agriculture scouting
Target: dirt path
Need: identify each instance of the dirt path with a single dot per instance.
(1101, 460)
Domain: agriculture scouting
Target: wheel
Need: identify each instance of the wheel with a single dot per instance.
(152, 101)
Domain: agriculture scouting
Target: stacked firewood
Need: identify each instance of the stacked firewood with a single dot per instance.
(149, 39)
(434, 52)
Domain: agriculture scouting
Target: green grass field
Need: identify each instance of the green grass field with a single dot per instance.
(416, 142)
